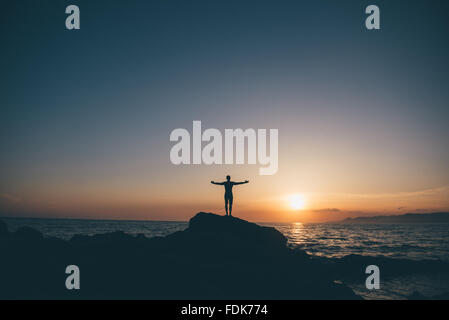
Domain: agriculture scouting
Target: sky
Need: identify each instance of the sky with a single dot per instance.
(87, 114)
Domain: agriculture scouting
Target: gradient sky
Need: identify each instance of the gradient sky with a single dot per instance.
(86, 115)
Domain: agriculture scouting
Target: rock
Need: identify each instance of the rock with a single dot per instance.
(244, 230)
(28, 234)
(216, 257)
(416, 296)
(3, 229)
(350, 265)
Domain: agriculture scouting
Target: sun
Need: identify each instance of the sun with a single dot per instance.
(297, 201)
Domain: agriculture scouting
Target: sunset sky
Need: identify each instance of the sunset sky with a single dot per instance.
(87, 114)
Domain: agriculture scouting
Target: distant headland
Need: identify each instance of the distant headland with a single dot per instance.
(436, 217)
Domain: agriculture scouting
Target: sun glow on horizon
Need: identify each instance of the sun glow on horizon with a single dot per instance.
(297, 201)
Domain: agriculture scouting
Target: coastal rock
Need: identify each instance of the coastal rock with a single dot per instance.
(351, 265)
(3, 229)
(28, 234)
(216, 257)
(234, 227)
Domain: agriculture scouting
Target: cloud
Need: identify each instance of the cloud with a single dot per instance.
(327, 210)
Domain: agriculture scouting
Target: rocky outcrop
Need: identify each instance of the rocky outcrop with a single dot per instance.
(215, 258)
(3, 229)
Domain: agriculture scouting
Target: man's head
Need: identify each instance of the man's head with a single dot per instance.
(228, 178)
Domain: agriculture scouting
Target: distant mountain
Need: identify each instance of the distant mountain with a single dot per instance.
(436, 217)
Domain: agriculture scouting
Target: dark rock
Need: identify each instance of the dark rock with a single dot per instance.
(245, 231)
(3, 229)
(442, 296)
(416, 296)
(28, 234)
(353, 265)
(215, 258)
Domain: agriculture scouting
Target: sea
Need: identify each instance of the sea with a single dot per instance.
(326, 240)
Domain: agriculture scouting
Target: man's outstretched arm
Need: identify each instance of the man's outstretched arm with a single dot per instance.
(218, 183)
(246, 181)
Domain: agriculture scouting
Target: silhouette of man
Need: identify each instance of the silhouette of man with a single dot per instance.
(228, 184)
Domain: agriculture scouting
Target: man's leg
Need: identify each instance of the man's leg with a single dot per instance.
(230, 205)
(226, 205)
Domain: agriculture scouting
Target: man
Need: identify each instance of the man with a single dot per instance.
(228, 184)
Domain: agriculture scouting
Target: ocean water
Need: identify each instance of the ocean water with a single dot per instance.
(67, 228)
(405, 241)
(409, 241)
